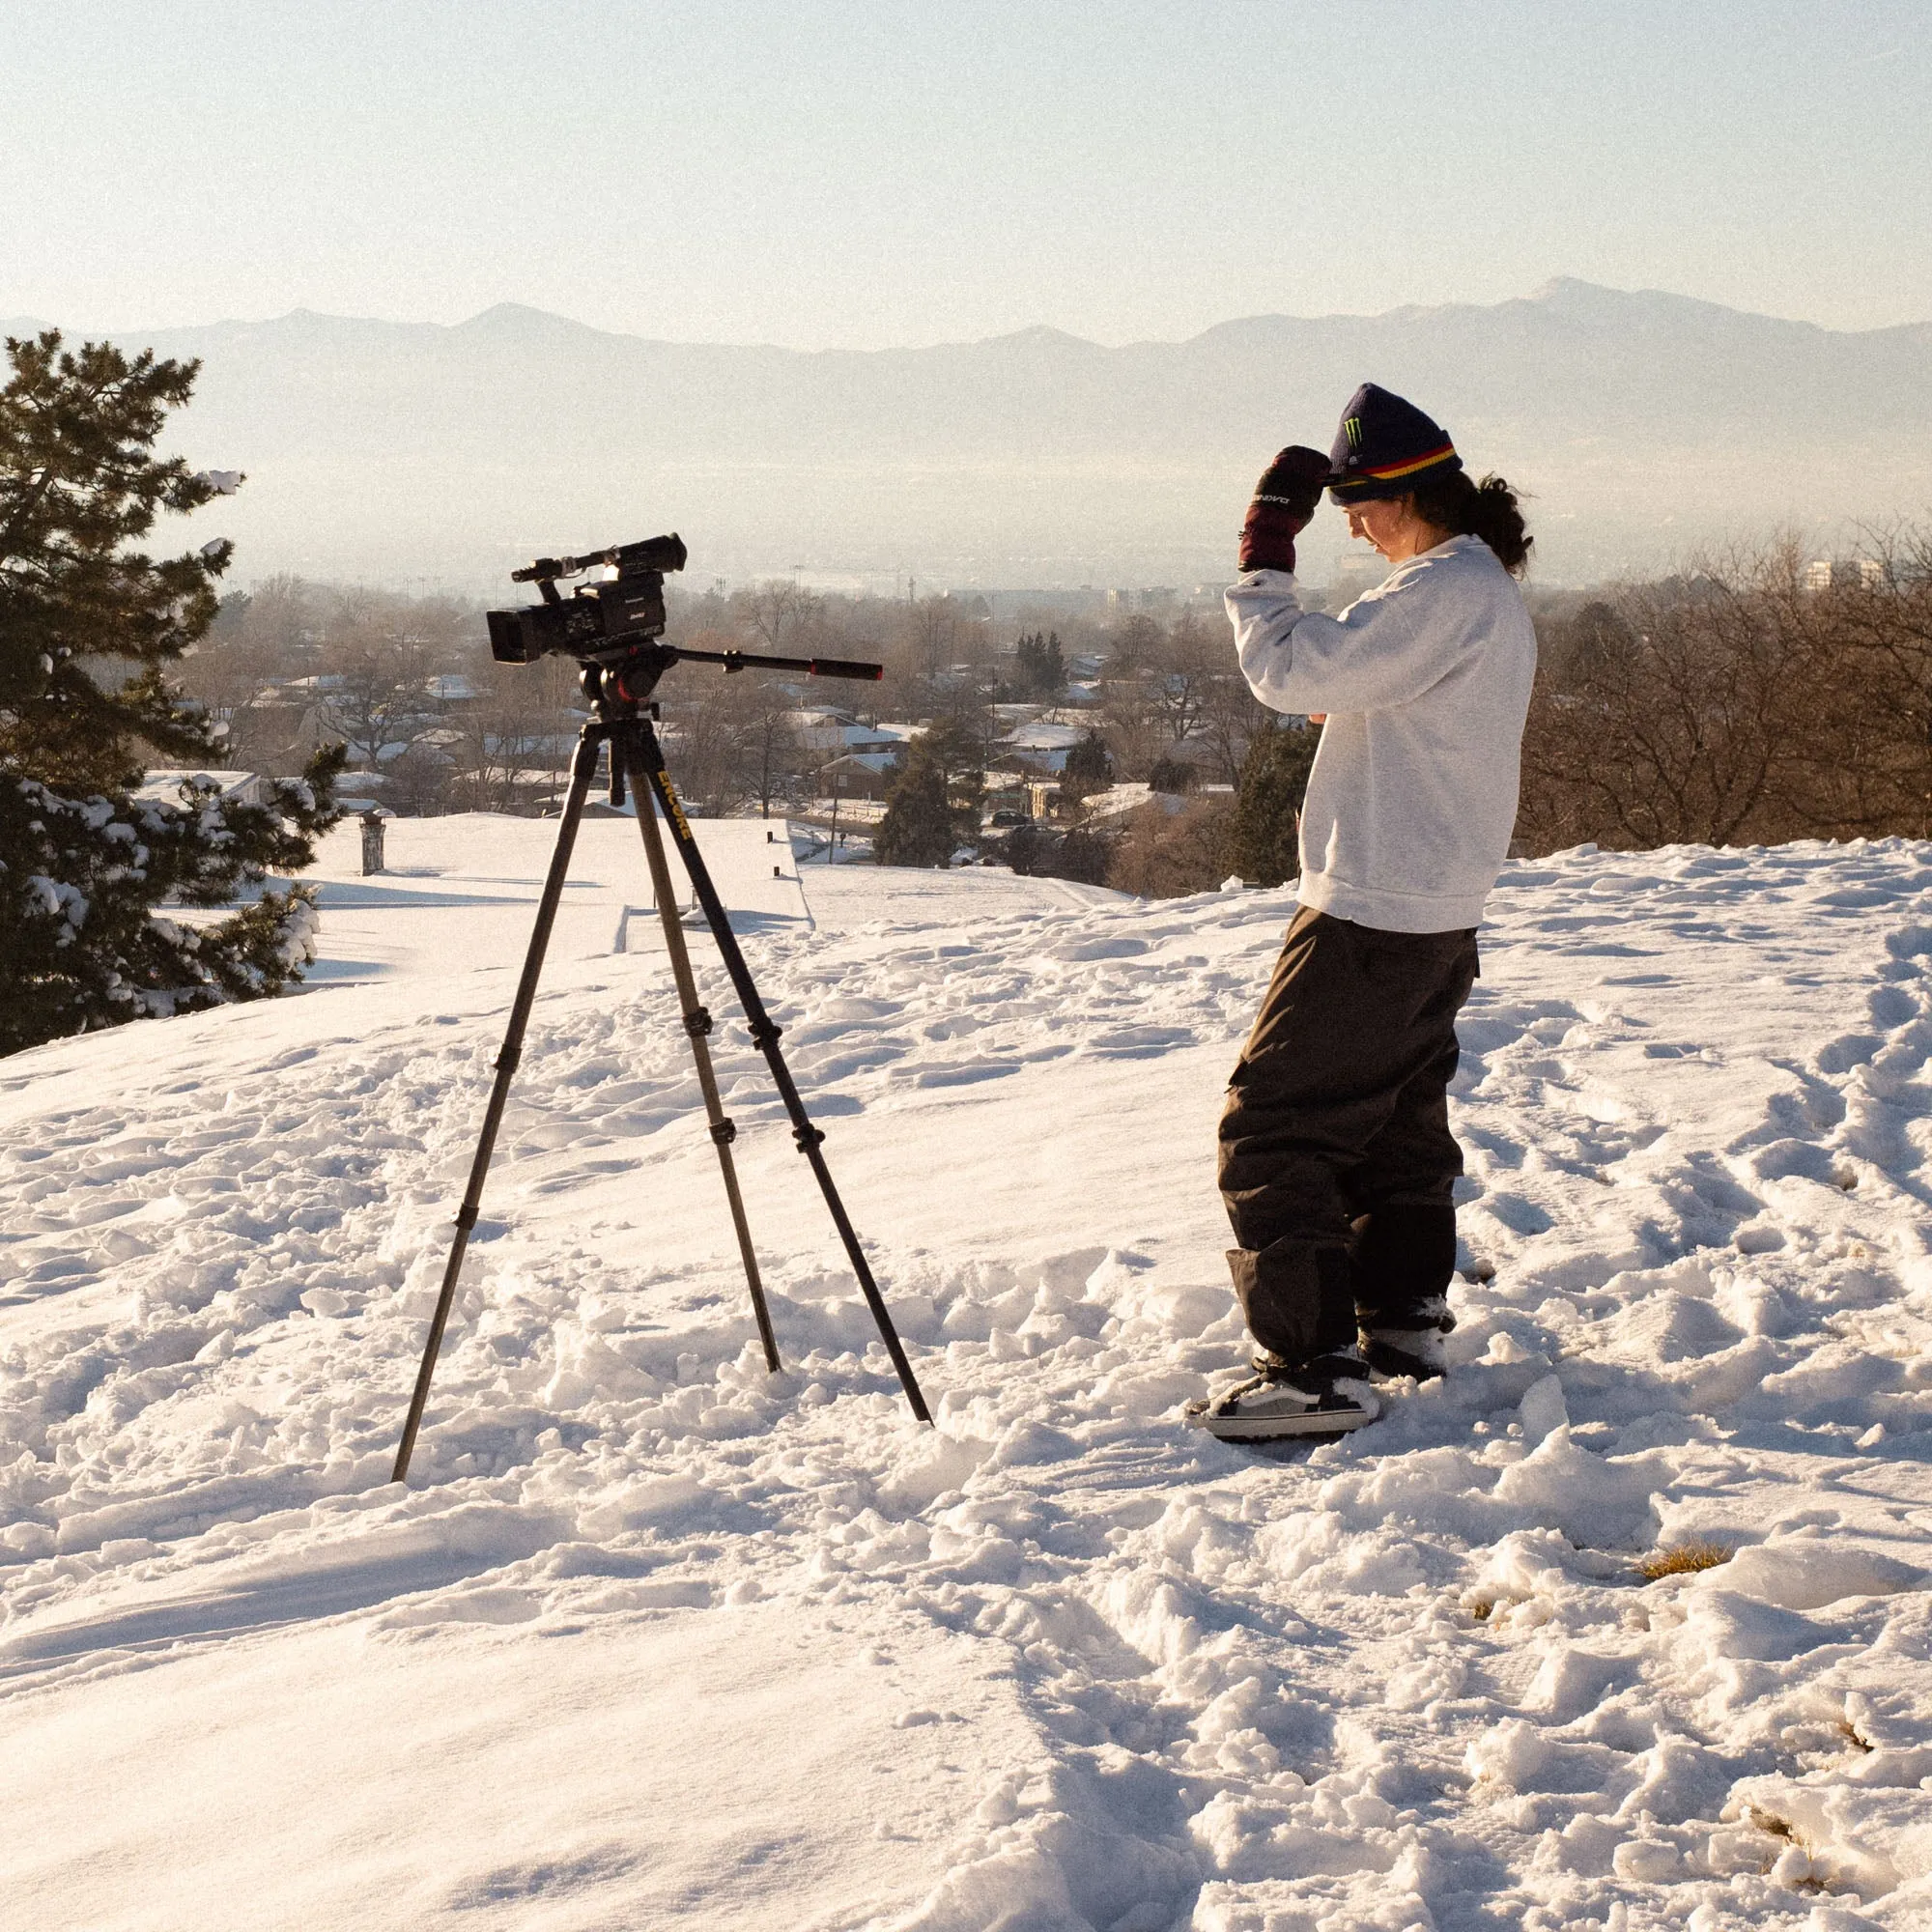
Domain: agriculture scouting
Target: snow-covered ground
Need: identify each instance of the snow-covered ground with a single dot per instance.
(655, 1638)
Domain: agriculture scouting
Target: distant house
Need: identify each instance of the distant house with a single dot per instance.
(834, 733)
(1083, 679)
(163, 786)
(860, 775)
(1042, 748)
(1118, 800)
(441, 744)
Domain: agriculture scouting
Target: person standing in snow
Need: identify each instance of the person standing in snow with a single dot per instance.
(1337, 1165)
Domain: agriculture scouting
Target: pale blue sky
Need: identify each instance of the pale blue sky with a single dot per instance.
(840, 175)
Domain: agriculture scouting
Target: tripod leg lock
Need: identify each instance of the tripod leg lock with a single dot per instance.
(723, 1133)
(508, 1059)
(466, 1216)
(766, 1032)
(808, 1138)
(698, 1022)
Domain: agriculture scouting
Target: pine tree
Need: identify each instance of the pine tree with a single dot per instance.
(1041, 665)
(1026, 662)
(919, 828)
(1088, 769)
(1052, 675)
(1262, 842)
(88, 626)
(962, 758)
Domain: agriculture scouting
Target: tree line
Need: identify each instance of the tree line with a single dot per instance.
(1754, 699)
(290, 662)
(1749, 699)
(1757, 698)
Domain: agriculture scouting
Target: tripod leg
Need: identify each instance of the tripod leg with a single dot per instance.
(697, 1025)
(809, 1138)
(582, 766)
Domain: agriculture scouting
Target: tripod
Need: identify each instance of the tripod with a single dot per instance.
(623, 718)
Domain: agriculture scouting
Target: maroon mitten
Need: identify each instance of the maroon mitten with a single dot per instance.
(1283, 501)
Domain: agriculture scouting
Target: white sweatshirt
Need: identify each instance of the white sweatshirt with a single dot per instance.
(1426, 682)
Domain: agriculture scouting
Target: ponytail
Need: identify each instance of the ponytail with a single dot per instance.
(1488, 509)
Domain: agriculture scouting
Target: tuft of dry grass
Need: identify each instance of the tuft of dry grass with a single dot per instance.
(1682, 1559)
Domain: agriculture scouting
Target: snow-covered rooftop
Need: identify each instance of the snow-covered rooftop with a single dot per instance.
(1118, 800)
(871, 761)
(162, 784)
(1041, 736)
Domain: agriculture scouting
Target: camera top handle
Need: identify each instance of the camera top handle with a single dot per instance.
(660, 554)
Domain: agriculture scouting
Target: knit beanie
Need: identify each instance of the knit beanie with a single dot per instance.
(1383, 447)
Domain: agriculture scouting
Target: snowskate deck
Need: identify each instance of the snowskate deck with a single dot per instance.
(1314, 1428)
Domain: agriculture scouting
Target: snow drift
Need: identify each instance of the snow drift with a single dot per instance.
(660, 1638)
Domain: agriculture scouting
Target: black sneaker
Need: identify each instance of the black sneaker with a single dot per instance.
(1394, 1353)
(1325, 1397)
(1407, 1339)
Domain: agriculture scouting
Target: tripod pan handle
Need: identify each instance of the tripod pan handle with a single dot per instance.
(844, 667)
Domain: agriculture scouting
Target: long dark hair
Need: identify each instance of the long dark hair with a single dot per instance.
(1488, 509)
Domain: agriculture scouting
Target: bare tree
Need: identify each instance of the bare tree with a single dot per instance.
(1131, 701)
(776, 614)
(1869, 751)
(1166, 852)
(517, 732)
(935, 634)
(701, 732)
(1699, 709)
(1231, 715)
(734, 740)
(379, 694)
(1184, 662)
(770, 759)
(421, 779)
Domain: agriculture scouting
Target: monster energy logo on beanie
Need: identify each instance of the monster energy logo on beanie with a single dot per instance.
(1383, 447)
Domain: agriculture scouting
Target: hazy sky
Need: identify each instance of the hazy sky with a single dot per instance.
(831, 175)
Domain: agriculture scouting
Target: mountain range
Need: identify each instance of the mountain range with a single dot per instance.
(1642, 427)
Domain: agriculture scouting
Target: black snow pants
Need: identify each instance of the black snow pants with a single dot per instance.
(1337, 1164)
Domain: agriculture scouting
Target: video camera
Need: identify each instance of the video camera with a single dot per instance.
(597, 621)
